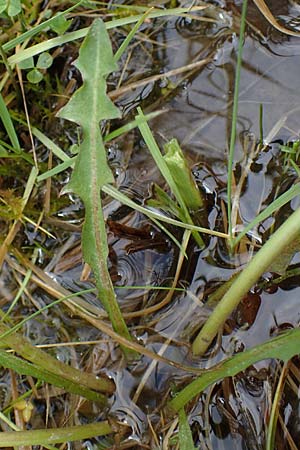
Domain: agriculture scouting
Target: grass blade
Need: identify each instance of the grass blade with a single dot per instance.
(30, 33)
(234, 116)
(130, 35)
(113, 192)
(79, 34)
(22, 367)
(278, 203)
(8, 125)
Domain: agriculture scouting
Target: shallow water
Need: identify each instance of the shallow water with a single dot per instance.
(232, 413)
(199, 116)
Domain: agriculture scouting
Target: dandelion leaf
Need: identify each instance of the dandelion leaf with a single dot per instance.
(87, 107)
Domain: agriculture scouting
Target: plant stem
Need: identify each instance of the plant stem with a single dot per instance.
(54, 435)
(234, 116)
(277, 243)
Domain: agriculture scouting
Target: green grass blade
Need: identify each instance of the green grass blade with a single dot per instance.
(57, 151)
(275, 409)
(158, 158)
(129, 126)
(87, 107)
(277, 204)
(235, 115)
(42, 360)
(30, 185)
(130, 35)
(8, 125)
(122, 198)
(79, 34)
(14, 427)
(57, 169)
(37, 29)
(54, 435)
(22, 367)
(282, 347)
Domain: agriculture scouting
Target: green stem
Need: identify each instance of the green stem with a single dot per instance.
(277, 243)
(42, 360)
(234, 116)
(54, 435)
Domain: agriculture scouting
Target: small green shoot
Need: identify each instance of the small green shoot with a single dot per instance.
(292, 152)
(165, 171)
(261, 124)
(181, 174)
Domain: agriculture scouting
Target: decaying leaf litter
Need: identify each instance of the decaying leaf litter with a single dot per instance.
(191, 272)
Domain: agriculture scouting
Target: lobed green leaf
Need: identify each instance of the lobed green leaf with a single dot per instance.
(87, 107)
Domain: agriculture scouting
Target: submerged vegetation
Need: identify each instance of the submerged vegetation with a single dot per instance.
(134, 260)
